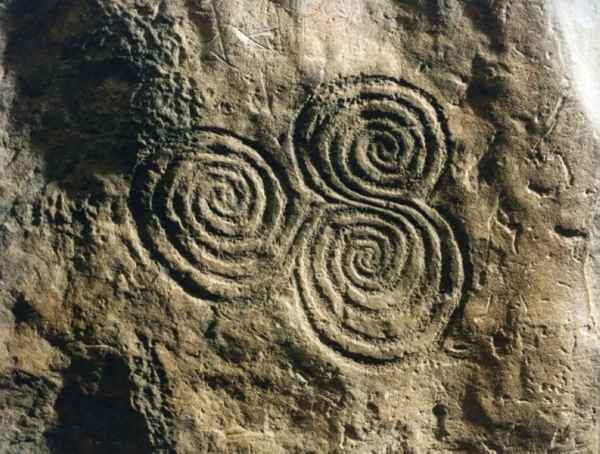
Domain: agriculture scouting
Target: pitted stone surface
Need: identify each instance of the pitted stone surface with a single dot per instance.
(294, 226)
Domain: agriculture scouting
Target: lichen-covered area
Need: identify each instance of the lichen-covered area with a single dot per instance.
(293, 226)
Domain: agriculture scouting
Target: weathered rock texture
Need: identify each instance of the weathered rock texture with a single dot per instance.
(293, 226)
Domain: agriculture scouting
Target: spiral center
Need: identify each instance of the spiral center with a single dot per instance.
(385, 149)
(367, 260)
(226, 199)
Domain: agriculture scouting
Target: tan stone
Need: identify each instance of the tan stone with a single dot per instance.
(295, 226)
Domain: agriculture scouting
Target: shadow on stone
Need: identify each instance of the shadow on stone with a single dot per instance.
(94, 410)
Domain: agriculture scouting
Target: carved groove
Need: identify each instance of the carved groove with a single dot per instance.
(371, 139)
(215, 214)
(378, 284)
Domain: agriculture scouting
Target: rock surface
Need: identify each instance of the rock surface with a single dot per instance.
(294, 226)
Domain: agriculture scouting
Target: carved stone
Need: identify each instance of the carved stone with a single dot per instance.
(296, 226)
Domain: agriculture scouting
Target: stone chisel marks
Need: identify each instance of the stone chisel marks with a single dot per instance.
(377, 284)
(216, 214)
(371, 139)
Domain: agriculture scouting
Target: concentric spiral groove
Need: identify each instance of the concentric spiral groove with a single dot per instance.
(378, 284)
(216, 214)
(371, 139)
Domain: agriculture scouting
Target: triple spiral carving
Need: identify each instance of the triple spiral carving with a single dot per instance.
(377, 271)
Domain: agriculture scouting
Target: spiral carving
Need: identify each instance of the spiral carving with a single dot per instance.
(378, 284)
(377, 272)
(215, 213)
(371, 139)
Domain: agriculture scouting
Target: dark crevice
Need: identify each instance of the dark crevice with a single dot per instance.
(94, 410)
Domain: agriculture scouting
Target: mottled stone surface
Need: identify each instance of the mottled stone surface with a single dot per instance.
(294, 226)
